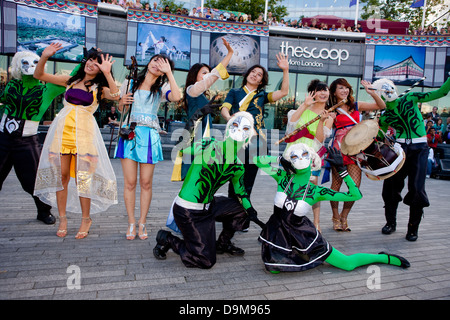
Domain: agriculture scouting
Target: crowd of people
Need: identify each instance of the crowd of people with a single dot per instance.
(431, 31)
(229, 16)
(73, 172)
(270, 20)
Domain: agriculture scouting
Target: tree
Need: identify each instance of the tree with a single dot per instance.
(400, 10)
(253, 7)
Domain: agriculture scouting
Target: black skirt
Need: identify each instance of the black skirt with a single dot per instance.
(292, 243)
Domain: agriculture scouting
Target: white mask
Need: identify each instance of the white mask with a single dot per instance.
(28, 65)
(300, 158)
(390, 92)
(386, 88)
(240, 129)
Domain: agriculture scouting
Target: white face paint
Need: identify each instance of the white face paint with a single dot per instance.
(389, 92)
(240, 129)
(28, 65)
(300, 158)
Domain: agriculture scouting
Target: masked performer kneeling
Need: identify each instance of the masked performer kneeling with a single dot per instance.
(196, 209)
(290, 241)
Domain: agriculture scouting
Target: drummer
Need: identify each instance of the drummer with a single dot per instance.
(404, 115)
(315, 104)
(347, 117)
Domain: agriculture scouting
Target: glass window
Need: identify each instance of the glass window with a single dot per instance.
(442, 104)
(3, 73)
(175, 109)
(275, 113)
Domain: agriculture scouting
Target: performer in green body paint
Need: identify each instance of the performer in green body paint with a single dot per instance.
(196, 208)
(290, 241)
(403, 114)
(25, 101)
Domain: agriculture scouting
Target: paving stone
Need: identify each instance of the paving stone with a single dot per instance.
(35, 264)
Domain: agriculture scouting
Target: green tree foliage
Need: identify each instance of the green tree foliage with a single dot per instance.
(253, 7)
(400, 10)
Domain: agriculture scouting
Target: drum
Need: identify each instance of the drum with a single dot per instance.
(378, 158)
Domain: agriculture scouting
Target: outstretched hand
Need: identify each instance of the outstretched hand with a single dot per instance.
(253, 216)
(282, 61)
(287, 165)
(335, 159)
(106, 64)
(227, 45)
(51, 49)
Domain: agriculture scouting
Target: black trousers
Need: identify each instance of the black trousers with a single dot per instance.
(23, 154)
(414, 168)
(198, 246)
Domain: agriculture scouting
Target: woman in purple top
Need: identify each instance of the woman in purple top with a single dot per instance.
(73, 147)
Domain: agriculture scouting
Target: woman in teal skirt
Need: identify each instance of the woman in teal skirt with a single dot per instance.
(155, 84)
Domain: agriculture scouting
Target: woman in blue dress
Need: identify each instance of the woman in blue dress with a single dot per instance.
(155, 84)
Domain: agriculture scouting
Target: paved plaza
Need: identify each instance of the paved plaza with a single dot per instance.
(36, 264)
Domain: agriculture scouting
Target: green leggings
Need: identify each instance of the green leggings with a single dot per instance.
(341, 261)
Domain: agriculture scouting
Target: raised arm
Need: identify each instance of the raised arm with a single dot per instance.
(175, 94)
(209, 79)
(378, 103)
(40, 73)
(309, 101)
(283, 63)
(433, 95)
(270, 165)
(111, 92)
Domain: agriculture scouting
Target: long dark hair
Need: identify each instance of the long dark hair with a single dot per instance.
(191, 78)
(265, 78)
(99, 80)
(156, 87)
(350, 99)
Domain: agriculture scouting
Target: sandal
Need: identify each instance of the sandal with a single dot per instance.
(337, 225)
(130, 235)
(144, 235)
(84, 234)
(345, 225)
(62, 232)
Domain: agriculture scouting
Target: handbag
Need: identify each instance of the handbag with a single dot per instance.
(127, 133)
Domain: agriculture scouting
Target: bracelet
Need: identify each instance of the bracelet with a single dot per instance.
(115, 94)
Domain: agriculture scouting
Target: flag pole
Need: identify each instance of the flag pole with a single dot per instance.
(423, 15)
(357, 11)
(266, 5)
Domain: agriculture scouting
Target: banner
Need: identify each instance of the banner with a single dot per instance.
(417, 3)
(403, 65)
(31, 25)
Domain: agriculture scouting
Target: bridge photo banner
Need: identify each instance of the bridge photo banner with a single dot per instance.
(31, 25)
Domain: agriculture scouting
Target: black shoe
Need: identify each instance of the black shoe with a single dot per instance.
(404, 263)
(388, 228)
(46, 218)
(411, 237)
(229, 248)
(411, 234)
(162, 245)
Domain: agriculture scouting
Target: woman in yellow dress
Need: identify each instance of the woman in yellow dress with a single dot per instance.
(74, 147)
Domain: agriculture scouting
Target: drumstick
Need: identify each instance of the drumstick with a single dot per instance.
(410, 88)
(293, 133)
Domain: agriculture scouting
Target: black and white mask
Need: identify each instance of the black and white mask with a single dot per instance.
(300, 158)
(28, 65)
(240, 128)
